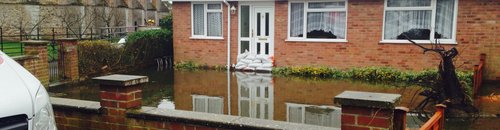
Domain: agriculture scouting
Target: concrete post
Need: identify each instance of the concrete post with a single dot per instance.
(38, 49)
(70, 58)
(366, 110)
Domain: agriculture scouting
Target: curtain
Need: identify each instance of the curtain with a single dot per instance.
(319, 116)
(214, 23)
(295, 114)
(397, 22)
(444, 18)
(408, 3)
(296, 20)
(324, 24)
(215, 105)
(245, 108)
(199, 104)
(198, 19)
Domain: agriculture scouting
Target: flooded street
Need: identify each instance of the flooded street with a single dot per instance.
(258, 95)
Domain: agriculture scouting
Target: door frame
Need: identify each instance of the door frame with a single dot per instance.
(266, 4)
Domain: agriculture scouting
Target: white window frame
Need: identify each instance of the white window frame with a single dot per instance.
(205, 27)
(204, 97)
(306, 10)
(303, 106)
(432, 7)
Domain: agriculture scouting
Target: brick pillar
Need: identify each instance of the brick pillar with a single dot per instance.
(118, 94)
(41, 64)
(70, 58)
(365, 110)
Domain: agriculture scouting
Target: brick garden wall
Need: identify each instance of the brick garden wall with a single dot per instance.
(74, 120)
(38, 66)
(477, 32)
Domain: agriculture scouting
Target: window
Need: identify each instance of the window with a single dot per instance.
(207, 20)
(314, 115)
(420, 20)
(207, 104)
(317, 20)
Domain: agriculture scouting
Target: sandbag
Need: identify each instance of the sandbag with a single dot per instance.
(245, 61)
(250, 57)
(249, 68)
(240, 67)
(267, 65)
(262, 57)
(242, 56)
(263, 69)
(255, 65)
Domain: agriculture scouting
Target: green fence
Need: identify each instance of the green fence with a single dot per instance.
(12, 48)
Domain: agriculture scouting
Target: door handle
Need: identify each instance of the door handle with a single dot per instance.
(263, 39)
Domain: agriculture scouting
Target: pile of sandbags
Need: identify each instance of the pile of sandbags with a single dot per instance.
(253, 62)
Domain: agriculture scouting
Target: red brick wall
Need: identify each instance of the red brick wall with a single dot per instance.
(210, 52)
(74, 120)
(39, 66)
(477, 29)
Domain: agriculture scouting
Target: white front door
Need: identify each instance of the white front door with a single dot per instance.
(256, 29)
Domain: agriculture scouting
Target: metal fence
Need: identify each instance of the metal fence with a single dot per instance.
(10, 38)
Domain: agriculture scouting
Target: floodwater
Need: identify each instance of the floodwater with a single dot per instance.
(258, 95)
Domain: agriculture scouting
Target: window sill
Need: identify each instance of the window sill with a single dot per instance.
(207, 38)
(317, 40)
(416, 41)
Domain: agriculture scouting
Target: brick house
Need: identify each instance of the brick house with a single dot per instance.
(337, 33)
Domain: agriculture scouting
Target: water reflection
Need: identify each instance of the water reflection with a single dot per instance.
(166, 104)
(315, 115)
(255, 95)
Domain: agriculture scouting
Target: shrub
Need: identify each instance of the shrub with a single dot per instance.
(193, 66)
(188, 65)
(99, 56)
(144, 46)
(375, 74)
(166, 22)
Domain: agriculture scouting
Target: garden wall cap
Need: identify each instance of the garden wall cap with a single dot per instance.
(368, 99)
(121, 80)
(67, 39)
(35, 42)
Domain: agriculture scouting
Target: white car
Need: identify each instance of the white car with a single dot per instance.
(24, 102)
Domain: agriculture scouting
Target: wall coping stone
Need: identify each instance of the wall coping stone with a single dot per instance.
(76, 105)
(218, 120)
(35, 42)
(368, 99)
(67, 39)
(121, 80)
(24, 57)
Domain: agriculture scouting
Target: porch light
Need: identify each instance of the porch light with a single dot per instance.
(233, 9)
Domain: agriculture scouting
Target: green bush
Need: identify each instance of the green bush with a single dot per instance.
(187, 65)
(375, 74)
(99, 56)
(193, 66)
(144, 46)
(166, 22)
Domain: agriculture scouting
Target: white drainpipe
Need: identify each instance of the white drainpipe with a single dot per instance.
(228, 66)
(228, 56)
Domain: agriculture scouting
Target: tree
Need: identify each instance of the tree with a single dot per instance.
(110, 16)
(77, 20)
(28, 24)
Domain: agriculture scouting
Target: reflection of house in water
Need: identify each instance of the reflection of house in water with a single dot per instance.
(265, 97)
(314, 115)
(255, 95)
(209, 104)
